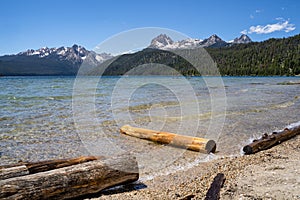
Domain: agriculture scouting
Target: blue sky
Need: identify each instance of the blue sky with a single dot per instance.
(31, 24)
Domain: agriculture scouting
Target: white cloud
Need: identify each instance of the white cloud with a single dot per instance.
(251, 16)
(282, 25)
(258, 11)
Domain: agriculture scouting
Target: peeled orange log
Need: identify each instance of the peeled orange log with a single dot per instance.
(192, 143)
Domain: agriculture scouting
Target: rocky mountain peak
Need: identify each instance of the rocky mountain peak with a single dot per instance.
(215, 38)
(160, 41)
(243, 39)
(213, 41)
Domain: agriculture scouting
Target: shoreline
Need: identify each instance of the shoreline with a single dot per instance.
(269, 174)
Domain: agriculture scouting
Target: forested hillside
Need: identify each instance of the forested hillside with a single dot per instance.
(270, 57)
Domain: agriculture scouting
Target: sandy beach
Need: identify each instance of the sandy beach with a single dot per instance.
(269, 174)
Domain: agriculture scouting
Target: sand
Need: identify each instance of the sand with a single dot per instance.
(269, 174)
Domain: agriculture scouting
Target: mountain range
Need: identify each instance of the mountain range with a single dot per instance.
(67, 60)
(166, 43)
(240, 56)
(50, 61)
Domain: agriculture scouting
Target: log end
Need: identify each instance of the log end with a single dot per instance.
(124, 128)
(248, 150)
(210, 146)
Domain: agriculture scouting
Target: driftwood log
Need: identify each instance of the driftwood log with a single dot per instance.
(10, 172)
(71, 181)
(188, 142)
(35, 167)
(269, 140)
(213, 192)
(25, 168)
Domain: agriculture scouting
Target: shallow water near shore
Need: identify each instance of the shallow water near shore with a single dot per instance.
(38, 121)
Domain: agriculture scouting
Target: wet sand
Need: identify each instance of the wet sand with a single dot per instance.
(269, 174)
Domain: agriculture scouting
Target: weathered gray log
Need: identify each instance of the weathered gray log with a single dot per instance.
(59, 163)
(6, 173)
(52, 164)
(72, 181)
(213, 192)
(192, 143)
(268, 141)
(25, 168)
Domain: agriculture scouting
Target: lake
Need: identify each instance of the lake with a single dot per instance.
(59, 117)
